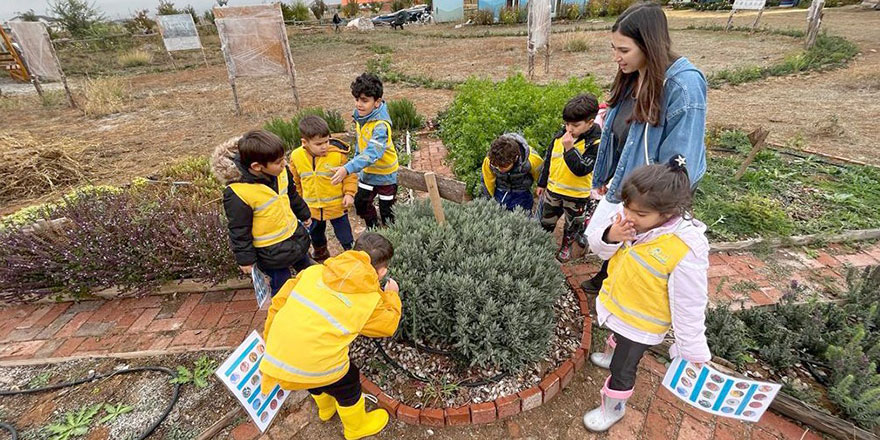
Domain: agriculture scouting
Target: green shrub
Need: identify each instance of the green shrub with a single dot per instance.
(596, 8)
(350, 9)
(828, 52)
(616, 7)
(839, 338)
(482, 110)
(380, 49)
(483, 17)
(513, 15)
(295, 11)
(482, 286)
(569, 12)
(404, 115)
(288, 130)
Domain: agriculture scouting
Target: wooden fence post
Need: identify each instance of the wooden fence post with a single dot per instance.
(434, 193)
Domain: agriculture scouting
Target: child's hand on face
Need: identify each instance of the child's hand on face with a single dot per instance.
(341, 172)
(347, 200)
(392, 286)
(621, 230)
(567, 140)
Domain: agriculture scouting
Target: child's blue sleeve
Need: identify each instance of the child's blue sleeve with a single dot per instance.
(374, 151)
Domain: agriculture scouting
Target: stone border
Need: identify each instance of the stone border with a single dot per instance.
(503, 407)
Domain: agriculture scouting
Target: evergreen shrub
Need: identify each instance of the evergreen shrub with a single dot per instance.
(482, 110)
(482, 286)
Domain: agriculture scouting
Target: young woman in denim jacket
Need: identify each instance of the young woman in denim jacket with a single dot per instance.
(657, 109)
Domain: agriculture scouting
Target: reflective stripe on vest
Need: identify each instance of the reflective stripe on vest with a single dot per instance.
(386, 164)
(293, 370)
(317, 309)
(315, 174)
(308, 340)
(274, 221)
(561, 180)
(637, 288)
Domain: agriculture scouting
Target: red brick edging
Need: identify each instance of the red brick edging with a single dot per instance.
(500, 408)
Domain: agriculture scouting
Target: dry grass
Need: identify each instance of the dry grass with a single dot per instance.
(134, 58)
(31, 166)
(575, 44)
(104, 96)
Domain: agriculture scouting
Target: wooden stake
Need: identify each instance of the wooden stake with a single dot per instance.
(291, 70)
(450, 189)
(757, 139)
(434, 193)
(70, 100)
(173, 64)
(409, 154)
(755, 24)
(729, 20)
(814, 20)
(205, 57)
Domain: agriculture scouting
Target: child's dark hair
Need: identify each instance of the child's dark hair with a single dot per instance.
(580, 108)
(259, 146)
(504, 152)
(377, 247)
(313, 126)
(367, 84)
(664, 188)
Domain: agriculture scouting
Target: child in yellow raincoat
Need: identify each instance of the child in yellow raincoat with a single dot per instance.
(316, 316)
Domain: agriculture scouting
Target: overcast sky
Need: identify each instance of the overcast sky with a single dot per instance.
(111, 8)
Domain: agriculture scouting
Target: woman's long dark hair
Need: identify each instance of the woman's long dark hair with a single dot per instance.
(646, 24)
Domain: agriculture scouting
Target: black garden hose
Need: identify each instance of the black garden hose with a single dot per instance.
(393, 363)
(94, 377)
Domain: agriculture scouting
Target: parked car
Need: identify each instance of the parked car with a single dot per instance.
(416, 14)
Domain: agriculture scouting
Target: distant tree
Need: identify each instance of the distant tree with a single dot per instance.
(29, 15)
(76, 16)
(318, 8)
(166, 7)
(140, 22)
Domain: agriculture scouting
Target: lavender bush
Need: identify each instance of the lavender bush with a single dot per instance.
(130, 240)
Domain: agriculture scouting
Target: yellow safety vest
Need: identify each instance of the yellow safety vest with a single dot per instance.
(636, 290)
(274, 221)
(386, 164)
(308, 341)
(562, 180)
(315, 173)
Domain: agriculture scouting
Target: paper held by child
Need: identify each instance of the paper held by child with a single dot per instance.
(718, 393)
(240, 373)
(261, 286)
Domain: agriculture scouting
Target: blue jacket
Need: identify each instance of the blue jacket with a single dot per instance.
(682, 131)
(375, 149)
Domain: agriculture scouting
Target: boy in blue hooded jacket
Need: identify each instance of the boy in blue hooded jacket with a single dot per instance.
(375, 158)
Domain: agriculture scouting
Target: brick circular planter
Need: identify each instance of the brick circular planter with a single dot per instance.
(502, 407)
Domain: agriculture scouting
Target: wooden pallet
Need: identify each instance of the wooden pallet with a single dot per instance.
(9, 59)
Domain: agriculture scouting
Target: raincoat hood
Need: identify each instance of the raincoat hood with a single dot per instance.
(351, 272)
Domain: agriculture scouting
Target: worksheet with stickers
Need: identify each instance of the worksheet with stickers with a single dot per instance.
(718, 393)
(240, 373)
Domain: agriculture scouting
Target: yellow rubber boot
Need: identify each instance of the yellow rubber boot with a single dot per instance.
(357, 423)
(326, 406)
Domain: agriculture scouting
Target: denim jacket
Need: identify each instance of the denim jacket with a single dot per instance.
(682, 130)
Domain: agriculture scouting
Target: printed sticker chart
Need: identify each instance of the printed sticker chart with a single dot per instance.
(718, 393)
(240, 373)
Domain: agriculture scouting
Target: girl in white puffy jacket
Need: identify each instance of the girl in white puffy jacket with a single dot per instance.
(658, 259)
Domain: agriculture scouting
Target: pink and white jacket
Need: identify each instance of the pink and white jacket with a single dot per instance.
(688, 292)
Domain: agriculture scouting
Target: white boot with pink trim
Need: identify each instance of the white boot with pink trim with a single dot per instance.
(610, 410)
(603, 359)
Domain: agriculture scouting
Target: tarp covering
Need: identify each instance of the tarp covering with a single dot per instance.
(36, 49)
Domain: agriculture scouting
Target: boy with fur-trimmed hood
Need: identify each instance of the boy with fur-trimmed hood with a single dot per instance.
(264, 211)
